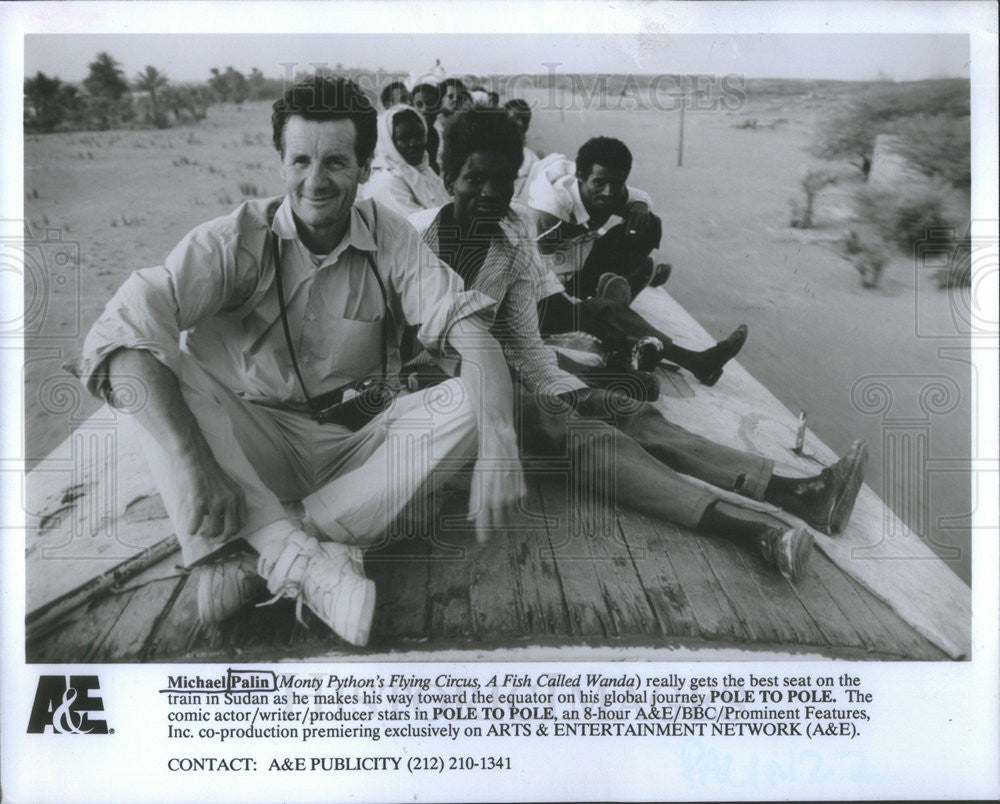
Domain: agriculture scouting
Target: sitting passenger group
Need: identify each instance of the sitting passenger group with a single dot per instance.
(491, 248)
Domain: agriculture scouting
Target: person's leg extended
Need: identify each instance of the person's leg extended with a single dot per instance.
(421, 441)
(620, 326)
(825, 500)
(607, 457)
(681, 450)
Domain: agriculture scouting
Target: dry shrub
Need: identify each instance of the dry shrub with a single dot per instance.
(814, 180)
(958, 272)
(904, 213)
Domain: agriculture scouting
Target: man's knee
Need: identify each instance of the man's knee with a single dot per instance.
(444, 409)
(654, 232)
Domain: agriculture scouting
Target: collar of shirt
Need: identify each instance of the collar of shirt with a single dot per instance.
(359, 235)
(580, 214)
(504, 260)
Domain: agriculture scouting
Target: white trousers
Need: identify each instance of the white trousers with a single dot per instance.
(352, 484)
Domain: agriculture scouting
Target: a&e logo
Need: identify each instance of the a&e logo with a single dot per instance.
(66, 705)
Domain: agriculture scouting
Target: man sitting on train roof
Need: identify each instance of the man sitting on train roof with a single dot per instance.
(267, 348)
(592, 221)
(597, 234)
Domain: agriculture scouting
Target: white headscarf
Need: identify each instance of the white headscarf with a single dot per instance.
(424, 183)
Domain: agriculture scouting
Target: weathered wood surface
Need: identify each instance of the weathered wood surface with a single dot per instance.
(565, 573)
(876, 548)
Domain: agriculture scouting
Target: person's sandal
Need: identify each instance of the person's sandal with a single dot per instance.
(661, 274)
(720, 354)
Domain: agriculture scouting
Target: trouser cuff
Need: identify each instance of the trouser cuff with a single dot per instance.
(752, 482)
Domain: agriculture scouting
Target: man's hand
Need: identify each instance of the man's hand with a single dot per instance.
(636, 217)
(498, 482)
(211, 504)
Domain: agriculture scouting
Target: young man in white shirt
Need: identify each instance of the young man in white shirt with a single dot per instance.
(597, 234)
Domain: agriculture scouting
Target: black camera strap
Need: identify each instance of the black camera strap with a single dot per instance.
(282, 307)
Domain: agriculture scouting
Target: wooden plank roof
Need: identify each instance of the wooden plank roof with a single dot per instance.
(562, 574)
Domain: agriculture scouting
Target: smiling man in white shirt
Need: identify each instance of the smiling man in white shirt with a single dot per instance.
(260, 333)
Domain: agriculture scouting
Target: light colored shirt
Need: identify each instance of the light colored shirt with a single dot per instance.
(393, 191)
(513, 276)
(524, 172)
(215, 297)
(555, 189)
(398, 185)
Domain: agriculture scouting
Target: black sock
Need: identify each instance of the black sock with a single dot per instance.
(684, 358)
(725, 519)
(781, 491)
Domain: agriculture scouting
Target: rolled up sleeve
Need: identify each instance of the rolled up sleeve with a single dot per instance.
(517, 330)
(635, 194)
(429, 293)
(154, 305)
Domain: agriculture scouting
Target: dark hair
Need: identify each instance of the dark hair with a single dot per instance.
(404, 114)
(605, 151)
(479, 129)
(419, 89)
(494, 97)
(321, 98)
(389, 88)
(461, 90)
(458, 83)
(518, 106)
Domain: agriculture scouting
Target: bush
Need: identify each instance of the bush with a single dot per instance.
(814, 180)
(938, 146)
(904, 214)
(958, 272)
(849, 130)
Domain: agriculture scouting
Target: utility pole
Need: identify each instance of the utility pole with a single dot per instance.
(680, 134)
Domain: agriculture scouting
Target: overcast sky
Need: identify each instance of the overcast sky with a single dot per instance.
(835, 56)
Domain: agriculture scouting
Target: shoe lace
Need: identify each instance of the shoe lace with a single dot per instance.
(293, 591)
(291, 586)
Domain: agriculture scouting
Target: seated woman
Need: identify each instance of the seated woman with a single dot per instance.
(402, 178)
(490, 247)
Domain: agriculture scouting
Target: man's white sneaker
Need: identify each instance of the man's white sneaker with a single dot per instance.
(227, 586)
(326, 579)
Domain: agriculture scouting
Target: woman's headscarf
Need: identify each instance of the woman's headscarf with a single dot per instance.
(424, 183)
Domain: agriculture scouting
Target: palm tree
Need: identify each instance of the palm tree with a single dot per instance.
(108, 91)
(106, 78)
(41, 94)
(150, 81)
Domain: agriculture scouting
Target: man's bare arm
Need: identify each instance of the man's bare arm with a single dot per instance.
(212, 505)
(499, 483)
